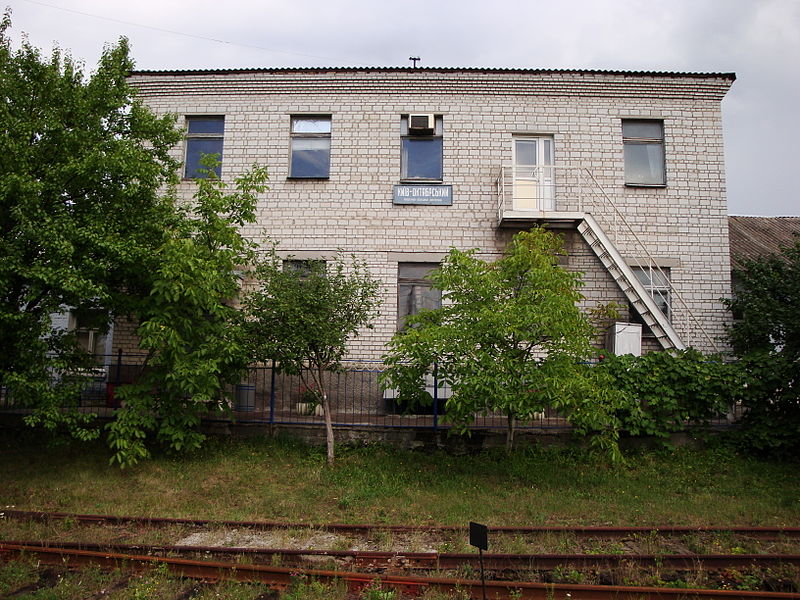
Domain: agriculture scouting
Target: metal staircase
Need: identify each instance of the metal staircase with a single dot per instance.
(633, 289)
(581, 202)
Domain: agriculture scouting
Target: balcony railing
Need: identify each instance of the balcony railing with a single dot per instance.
(538, 192)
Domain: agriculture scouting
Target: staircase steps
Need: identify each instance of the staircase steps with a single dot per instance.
(630, 285)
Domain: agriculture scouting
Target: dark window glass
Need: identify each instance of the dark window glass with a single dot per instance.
(205, 136)
(414, 291)
(422, 158)
(195, 150)
(206, 125)
(304, 267)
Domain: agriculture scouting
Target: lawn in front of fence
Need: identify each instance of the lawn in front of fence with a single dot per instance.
(284, 480)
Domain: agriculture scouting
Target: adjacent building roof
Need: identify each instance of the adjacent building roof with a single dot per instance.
(753, 237)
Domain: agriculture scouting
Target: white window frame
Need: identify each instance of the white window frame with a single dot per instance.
(96, 340)
(658, 283)
(534, 184)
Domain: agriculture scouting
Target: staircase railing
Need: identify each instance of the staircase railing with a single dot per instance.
(621, 225)
(578, 190)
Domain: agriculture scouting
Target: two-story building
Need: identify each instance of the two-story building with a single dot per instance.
(398, 165)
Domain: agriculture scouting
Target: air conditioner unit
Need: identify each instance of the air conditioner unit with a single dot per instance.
(421, 123)
(624, 338)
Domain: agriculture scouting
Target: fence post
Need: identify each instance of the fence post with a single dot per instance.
(119, 367)
(435, 396)
(272, 394)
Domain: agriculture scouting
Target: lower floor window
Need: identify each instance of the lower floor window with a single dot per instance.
(415, 292)
(305, 267)
(91, 331)
(657, 283)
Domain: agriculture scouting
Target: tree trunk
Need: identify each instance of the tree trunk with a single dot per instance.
(510, 431)
(326, 410)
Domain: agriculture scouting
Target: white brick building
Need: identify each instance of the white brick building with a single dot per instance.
(397, 165)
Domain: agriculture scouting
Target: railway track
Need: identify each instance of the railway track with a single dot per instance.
(380, 562)
(413, 572)
(763, 533)
(280, 578)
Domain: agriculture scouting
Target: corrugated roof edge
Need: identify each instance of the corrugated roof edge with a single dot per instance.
(765, 217)
(731, 76)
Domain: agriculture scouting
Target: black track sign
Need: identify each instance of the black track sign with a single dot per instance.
(478, 535)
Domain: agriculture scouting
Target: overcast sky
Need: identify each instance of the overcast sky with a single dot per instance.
(759, 40)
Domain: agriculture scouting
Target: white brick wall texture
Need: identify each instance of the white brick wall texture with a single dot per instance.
(682, 224)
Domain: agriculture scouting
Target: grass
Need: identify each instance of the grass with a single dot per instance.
(282, 480)
(277, 479)
(27, 581)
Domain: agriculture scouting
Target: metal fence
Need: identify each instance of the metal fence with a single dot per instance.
(266, 396)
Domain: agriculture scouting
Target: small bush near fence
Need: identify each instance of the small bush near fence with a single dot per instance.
(663, 393)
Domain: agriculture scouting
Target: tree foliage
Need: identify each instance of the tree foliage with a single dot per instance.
(509, 338)
(765, 304)
(766, 338)
(80, 210)
(192, 333)
(302, 318)
(663, 392)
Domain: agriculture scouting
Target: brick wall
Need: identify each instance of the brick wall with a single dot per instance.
(683, 224)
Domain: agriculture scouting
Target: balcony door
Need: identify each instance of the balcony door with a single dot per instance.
(534, 181)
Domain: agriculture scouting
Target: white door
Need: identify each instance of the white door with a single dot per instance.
(534, 184)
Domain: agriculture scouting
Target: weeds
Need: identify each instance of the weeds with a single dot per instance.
(304, 589)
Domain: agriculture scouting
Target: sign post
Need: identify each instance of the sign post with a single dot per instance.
(479, 537)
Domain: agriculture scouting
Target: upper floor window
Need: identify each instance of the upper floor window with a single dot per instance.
(643, 141)
(422, 149)
(204, 136)
(311, 147)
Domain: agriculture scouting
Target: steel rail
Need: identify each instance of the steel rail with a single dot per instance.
(281, 578)
(769, 533)
(379, 561)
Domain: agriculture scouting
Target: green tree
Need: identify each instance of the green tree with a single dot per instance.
(766, 339)
(192, 333)
(509, 338)
(765, 304)
(302, 318)
(81, 211)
